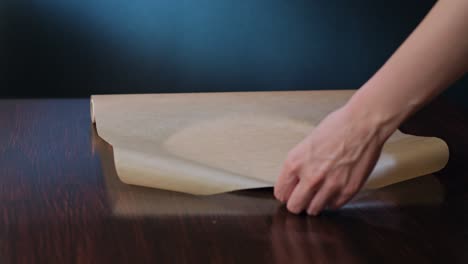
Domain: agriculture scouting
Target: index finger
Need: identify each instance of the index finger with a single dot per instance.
(285, 183)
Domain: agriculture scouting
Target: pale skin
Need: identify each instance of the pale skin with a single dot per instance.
(331, 164)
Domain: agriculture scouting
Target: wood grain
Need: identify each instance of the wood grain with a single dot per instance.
(61, 202)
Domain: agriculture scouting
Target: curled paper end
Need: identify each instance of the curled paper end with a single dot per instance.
(209, 143)
(407, 158)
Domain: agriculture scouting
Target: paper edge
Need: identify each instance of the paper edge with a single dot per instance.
(441, 143)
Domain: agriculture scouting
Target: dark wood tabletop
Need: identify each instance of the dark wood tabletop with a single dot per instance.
(62, 202)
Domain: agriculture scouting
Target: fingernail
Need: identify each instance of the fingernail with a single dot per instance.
(276, 195)
(292, 209)
(312, 212)
(279, 198)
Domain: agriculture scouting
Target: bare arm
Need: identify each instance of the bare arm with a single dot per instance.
(330, 165)
(432, 58)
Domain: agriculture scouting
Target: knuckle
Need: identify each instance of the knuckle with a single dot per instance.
(313, 174)
(291, 165)
(292, 153)
(349, 191)
(320, 173)
(334, 185)
(312, 180)
(355, 188)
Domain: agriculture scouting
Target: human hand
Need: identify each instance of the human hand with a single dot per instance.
(331, 164)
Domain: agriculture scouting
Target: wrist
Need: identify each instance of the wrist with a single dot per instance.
(377, 116)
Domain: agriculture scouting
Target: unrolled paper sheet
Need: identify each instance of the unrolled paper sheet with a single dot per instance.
(207, 143)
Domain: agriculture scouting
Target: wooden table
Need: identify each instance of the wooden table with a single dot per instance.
(61, 202)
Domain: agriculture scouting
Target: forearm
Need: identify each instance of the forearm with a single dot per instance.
(433, 57)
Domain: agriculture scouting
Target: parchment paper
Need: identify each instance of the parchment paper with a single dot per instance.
(208, 143)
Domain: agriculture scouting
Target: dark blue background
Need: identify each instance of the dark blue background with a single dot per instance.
(76, 48)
